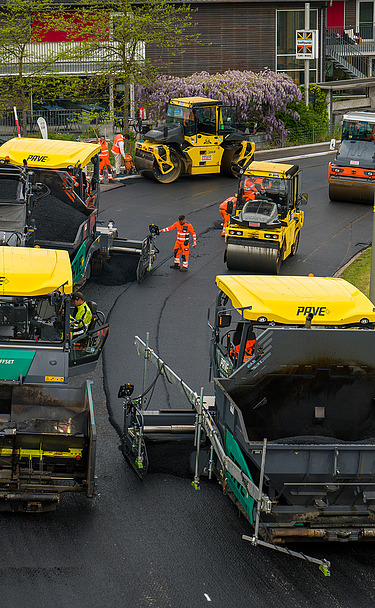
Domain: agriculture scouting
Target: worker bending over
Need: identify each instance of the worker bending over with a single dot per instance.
(226, 209)
(181, 247)
(82, 317)
(118, 150)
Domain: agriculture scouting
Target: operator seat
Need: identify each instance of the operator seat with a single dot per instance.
(94, 309)
(97, 315)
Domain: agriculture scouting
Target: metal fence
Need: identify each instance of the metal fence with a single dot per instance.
(65, 123)
(302, 135)
(71, 124)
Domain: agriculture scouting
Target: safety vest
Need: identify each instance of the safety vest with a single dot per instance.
(116, 147)
(104, 152)
(182, 232)
(83, 313)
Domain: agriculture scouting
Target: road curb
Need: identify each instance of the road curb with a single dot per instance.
(271, 154)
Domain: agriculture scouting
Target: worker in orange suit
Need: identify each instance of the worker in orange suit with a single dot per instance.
(249, 349)
(181, 247)
(252, 188)
(104, 160)
(226, 209)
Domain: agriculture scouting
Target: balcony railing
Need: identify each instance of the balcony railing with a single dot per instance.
(62, 58)
(362, 38)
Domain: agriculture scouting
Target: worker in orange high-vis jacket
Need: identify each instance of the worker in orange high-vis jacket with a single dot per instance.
(104, 160)
(254, 187)
(118, 150)
(226, 209)
(181, 247)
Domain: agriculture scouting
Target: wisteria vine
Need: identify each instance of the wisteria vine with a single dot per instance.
(260, 98)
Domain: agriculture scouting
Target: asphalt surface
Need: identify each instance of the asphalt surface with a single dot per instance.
(159, 543)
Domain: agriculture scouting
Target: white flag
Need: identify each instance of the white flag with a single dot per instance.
(43, 127)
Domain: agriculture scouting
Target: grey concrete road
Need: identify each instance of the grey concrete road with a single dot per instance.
(159, 543)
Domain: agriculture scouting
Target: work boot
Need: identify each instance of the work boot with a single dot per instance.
(175, 266)
(183, 269)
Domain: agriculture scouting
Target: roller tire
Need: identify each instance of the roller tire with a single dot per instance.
(141, 270)
(279, 260)
(96, 266)
(173, 175)
(294, 248)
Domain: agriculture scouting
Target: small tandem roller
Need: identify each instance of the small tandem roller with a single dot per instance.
(351, 175)
(267, 222)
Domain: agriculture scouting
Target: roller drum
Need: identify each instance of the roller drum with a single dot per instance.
(351, 192)
(143, 163)
(254, 258)
(146, 165)
(229, 162)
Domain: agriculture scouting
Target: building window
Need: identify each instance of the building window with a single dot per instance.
(287, 22)
(365, 18)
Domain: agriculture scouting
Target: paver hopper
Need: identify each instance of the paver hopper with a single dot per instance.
(51, 203)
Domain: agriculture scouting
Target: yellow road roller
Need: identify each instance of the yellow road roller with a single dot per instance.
(351, 175)
(267, 222)
(200, 136)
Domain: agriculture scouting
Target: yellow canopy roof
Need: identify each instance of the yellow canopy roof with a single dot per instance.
(265, 168)
(188, 101)
(289, 300)
(48, 153)
(27, 271)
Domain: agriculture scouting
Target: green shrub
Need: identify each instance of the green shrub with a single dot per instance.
(313, 124)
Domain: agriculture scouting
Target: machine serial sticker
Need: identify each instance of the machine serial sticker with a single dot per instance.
(206, 157)
(54, 378)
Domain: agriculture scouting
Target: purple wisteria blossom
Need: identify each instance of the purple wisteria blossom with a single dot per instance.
(260, 98)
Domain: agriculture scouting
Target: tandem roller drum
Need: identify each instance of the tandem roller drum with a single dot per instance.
(253, 258)
(351, 192)
(147, 165)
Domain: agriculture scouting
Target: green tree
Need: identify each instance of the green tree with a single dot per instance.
(117, 34)
(312, 118)
(23, 24)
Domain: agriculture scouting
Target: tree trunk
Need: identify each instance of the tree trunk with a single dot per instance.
(23, 110)
(126, 102)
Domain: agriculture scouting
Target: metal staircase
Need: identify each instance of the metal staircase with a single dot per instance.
(346, 55)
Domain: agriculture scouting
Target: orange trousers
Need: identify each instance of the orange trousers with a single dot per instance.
(226, 219)
(181, 251)
(105, 164)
